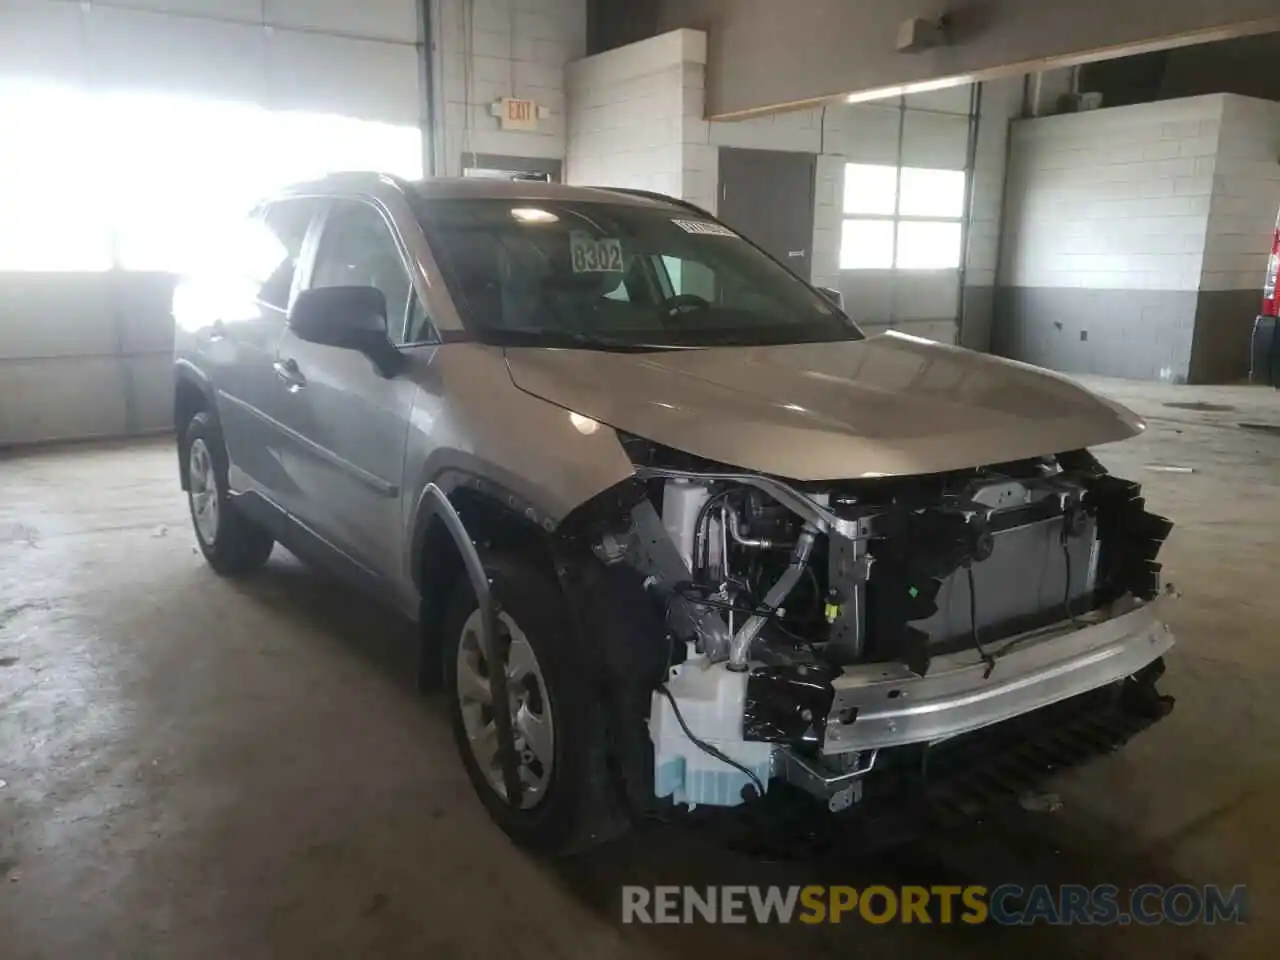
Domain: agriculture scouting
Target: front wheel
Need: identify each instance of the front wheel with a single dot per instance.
(566, 797)
(233, 544)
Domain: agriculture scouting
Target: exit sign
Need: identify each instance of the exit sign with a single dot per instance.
(518, 114)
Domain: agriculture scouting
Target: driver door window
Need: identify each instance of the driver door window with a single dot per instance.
(357, 249)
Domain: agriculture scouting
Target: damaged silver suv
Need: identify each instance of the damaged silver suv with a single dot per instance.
(735, 548)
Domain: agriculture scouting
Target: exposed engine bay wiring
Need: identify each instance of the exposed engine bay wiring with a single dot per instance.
(751, 557)
(987, 658)
(695, 593)
(782, 594)
(1066, 599)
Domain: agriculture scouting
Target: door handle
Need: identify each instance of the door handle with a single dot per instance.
(795, 253)
(288, 372)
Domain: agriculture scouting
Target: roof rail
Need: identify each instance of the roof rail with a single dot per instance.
(654, 195)
(356, 176)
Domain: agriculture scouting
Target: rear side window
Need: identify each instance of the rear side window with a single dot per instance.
(282, 228)
(357, 249)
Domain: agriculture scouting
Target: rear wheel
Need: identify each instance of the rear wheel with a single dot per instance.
(566, 797)
(233, 544)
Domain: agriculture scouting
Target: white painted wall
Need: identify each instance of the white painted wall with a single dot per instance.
(1001, 101)
(1114, 199)
(1137, 237)
(1246, 195)
(636, 119)
(519, 48)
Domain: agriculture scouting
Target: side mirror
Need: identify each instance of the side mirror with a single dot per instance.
(832, 294)
(353, 318)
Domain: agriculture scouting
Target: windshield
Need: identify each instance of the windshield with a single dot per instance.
(617, 276)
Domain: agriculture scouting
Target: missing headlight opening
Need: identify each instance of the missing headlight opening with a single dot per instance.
(818, 631)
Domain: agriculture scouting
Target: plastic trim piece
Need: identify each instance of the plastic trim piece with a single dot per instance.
(488, 638)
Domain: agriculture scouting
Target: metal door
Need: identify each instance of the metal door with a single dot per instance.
(767, 196)
(346, 424)
(255, 288)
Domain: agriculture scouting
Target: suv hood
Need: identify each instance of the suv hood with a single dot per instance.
(891, 405)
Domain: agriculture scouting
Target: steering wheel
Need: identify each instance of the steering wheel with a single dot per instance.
(685, 301)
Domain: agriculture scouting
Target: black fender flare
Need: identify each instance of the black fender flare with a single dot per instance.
(628, 645)
(188, 371)
(465, 489)
(488, 512)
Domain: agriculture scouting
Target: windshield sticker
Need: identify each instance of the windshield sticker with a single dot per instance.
(595, 255)
(704, 228)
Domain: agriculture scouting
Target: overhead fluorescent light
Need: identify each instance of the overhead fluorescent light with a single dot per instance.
(923, 86)
(533, 215)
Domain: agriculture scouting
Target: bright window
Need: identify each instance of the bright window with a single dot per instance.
(932, 193)
(90, 180)
(907, 218)
(869, 188)
(928, 244)
(53, 216)
(174, 170)
(866, 245)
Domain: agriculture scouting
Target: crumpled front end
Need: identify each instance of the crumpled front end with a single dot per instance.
(819, 632)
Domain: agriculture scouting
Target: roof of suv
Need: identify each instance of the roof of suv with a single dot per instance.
(451, 188)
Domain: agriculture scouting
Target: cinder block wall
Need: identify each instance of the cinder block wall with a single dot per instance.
(1106, 218)
(1242, 216)
(518, 48)
(636, 119)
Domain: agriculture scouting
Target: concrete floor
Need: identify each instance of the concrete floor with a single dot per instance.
(198, 768)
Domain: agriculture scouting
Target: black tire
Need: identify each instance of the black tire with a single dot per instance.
(237, 546)
(580, 808)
